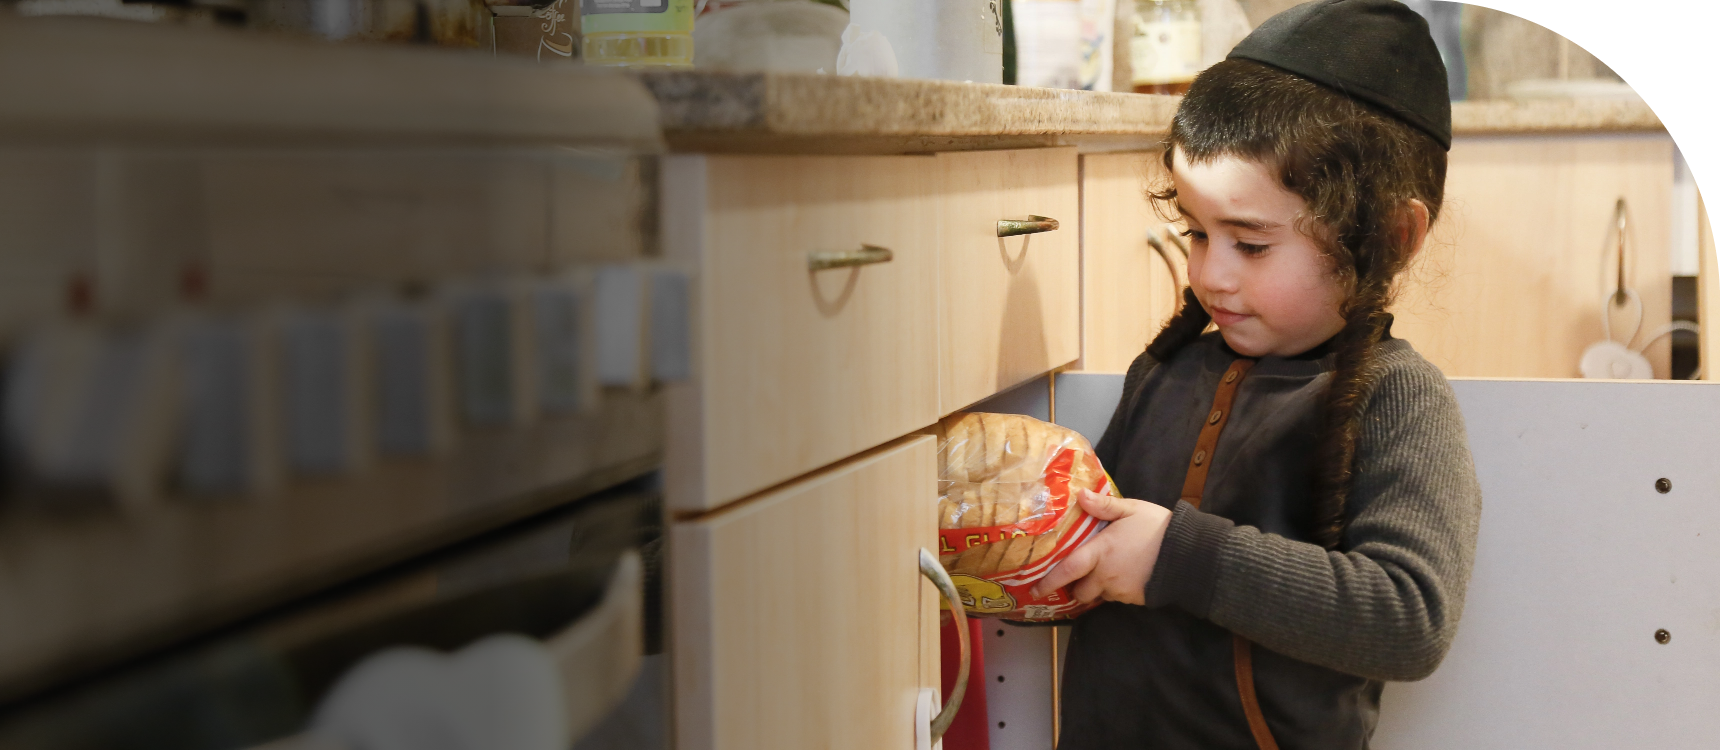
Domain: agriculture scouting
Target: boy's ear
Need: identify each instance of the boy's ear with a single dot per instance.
(1413, 228)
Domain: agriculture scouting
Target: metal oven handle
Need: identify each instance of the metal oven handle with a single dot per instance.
(934, 570)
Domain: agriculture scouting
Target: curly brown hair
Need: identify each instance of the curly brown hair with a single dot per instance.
(1358, 168)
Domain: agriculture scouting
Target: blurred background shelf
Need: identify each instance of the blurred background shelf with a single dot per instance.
(150, 170)
(88, 590)
(82, 80)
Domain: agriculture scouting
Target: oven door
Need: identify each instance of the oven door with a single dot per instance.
(534, 636)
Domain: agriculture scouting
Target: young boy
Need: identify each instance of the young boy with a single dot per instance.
(1307, 507)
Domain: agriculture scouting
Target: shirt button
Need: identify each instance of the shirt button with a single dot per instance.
(1217, 414)
(1230, 377)
(1199, 457)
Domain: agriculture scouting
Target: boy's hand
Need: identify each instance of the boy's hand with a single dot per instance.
(1117, 562)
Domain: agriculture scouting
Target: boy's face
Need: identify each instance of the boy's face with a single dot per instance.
(1268, 286)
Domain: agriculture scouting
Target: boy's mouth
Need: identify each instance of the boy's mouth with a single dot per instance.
(1225, 317)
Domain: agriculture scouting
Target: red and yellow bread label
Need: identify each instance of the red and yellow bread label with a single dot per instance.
(1007, 593)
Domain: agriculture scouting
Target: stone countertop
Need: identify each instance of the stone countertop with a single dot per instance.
(1502, 117)
(796, 113)
(803, 113)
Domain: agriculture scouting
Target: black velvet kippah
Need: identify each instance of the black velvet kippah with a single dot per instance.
(1378, 51)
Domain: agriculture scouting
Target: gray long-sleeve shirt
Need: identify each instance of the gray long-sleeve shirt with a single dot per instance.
(1328, 626)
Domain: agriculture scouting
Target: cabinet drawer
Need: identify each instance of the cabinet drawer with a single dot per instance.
(798, 368)
(1127, 289)
(799, 617)
(1008, 306)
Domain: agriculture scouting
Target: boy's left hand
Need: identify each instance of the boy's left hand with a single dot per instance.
(1117, 562)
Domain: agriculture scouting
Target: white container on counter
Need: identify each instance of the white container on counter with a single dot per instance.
(954, 40)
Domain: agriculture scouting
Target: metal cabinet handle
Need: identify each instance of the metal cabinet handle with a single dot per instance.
(1621, 214)
(865, 256)
(1176, 238)
(1033, 225)
(934, 570)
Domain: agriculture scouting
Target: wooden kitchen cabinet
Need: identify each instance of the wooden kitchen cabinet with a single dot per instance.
(1127, 289)
(800, 616)
(798, 368)
(1512, 279)
(1009, 307)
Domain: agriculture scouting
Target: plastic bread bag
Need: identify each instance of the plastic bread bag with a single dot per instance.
(1007, 510)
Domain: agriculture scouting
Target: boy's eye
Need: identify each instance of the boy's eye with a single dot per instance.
(1248, 249)
(1196, 235)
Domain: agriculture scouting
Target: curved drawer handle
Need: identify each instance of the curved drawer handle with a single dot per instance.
(1033, 225)
(1165, 255)
(865, 256)
(934, 570)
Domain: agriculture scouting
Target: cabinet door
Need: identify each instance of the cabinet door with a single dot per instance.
(1009, 305)
(797, 367)
(800, 618)
(1127, 289)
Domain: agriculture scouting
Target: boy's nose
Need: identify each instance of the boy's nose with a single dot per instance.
(1217, 274)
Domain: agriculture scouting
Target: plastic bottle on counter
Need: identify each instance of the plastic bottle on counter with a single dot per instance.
(638, 33)
(1164, 53)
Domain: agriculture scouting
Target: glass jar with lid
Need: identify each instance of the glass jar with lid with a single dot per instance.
(1164, 53)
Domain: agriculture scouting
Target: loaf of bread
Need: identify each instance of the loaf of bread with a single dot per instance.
(1007, 509)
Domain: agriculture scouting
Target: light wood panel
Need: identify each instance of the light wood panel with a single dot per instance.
(799, 368)
(1009, 307)
(1707, 293)
(1512, 280)
(1127, 290)
(800, 618)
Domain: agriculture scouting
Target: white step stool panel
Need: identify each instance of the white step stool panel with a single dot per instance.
(1032, 398)
(1018, 681)
(1085, 401)
(1580, 561)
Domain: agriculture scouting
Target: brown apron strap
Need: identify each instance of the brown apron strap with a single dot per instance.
(1198, 464)
(1193, 487)
(1244, 653)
